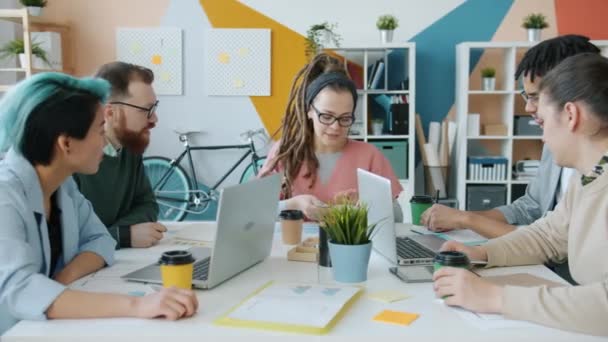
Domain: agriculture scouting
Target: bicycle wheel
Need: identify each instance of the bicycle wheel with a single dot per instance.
(249, 172)
(173, 197)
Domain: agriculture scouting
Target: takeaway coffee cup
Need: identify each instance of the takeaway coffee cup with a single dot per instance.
(419, 204)
(291, 226)
(452, 259)
(176, 269)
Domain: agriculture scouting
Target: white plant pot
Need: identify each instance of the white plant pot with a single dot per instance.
(377, 128)
(488, 83)
(37, 62)
(34, 11)
(386, 36)
(534, 35)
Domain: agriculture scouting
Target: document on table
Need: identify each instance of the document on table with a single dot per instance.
(465, 236)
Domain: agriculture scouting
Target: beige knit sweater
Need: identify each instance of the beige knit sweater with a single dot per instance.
(577, 229)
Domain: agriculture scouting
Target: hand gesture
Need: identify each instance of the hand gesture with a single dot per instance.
(146, 234)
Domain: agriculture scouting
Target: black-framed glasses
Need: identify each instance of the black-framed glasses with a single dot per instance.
(529, 98)
(148, 111)
(328, 119)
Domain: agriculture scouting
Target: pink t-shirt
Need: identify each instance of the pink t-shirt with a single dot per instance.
(356, 154)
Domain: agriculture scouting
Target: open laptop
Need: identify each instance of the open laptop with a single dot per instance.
(414, 249)
(245, 225)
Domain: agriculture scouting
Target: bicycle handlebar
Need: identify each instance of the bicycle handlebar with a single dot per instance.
(250, 133)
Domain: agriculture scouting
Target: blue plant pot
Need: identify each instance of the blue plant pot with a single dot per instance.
(349, 262)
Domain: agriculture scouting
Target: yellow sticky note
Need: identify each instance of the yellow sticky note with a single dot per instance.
(388, 296)
(157, 59)
(223, 58)
(243, 52)
(238, 83)
(396, 317)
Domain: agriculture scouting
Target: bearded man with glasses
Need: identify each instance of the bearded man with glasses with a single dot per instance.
(120, 192)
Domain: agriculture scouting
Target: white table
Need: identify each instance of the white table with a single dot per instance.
(436, 319)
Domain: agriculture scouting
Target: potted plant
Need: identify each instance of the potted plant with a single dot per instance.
(377, 126)
(17, 48)
(387, 24)
(534, 23)
(488, 77)
(34, 7)
(350, 245)
(319, 36)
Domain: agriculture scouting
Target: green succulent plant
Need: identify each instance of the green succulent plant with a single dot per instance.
(16, 47)
(387, 22)
(314, 35)
(345, 222)
(488, 72)
(535, 21)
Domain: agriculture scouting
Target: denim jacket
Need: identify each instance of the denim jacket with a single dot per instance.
(26, 287)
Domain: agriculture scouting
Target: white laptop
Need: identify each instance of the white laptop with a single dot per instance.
(245, 225)
(407, 250)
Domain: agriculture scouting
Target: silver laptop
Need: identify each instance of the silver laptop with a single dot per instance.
(414, 249)
(245, 225)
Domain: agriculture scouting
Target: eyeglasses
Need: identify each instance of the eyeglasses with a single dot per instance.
(148, 111)
(328, 119)
(529, 98)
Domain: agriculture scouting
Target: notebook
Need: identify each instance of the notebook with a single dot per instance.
(293, 307)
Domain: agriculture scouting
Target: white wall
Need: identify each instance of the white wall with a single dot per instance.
(223, 118)
(8, 32)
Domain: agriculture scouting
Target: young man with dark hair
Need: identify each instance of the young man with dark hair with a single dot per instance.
(545, 190)
(120, 191)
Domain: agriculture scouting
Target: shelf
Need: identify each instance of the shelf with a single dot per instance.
(517, 181)
(4, 88)
(382, 92)
(487, 182)
(489, 137)
(387, 136)
(527, 137)
(490, 92)
(12, 69)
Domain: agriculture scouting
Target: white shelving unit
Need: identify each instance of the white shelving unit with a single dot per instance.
(400, 67)
(499, 106)
(29, 25)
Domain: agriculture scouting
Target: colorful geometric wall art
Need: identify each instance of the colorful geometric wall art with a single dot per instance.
(237, 62)
(159, 49)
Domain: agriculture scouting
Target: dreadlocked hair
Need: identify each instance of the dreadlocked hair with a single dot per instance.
(297, 146)
(545, 56)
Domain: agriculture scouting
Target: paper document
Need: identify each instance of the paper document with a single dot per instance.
(465, 236)
(489, 321)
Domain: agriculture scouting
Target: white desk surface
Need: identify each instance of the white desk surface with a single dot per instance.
(436, 319)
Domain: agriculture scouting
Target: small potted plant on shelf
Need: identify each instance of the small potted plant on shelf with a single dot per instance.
(488, 77)
(16, 47)
(320, 36)
(534, 23)
(34, 7)
(350, 238)
(377, 126)
(387, 24)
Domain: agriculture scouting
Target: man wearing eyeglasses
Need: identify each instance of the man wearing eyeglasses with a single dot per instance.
(120, 192)
(550, 183)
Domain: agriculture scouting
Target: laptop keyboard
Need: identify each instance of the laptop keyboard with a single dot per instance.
(410, 249)
(201, 269)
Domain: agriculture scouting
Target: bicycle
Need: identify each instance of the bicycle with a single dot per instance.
(177, 194)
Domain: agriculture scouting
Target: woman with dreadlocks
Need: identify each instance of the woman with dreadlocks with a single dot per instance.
(315, 155)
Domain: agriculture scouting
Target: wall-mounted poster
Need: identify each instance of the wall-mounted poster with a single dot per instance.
(159, 49)
(237, 62)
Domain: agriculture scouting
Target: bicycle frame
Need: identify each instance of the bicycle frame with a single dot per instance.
(188, 152)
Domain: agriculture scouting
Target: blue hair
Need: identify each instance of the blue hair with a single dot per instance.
(28, 95)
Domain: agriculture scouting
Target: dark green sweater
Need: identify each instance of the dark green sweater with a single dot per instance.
(121, 194)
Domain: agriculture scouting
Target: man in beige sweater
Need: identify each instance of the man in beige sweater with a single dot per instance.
(573, 109)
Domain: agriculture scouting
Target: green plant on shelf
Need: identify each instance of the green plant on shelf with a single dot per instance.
(320, 34)
(535, 21)
(488, 72)
(33, 3)
(16, 47)
(387, 22)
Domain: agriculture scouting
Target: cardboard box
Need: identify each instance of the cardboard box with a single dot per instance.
(495, 129)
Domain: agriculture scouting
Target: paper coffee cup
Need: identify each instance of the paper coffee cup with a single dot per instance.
(176, 269)
(291, 226)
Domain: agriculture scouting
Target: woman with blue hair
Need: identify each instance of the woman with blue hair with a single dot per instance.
(51, 126)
